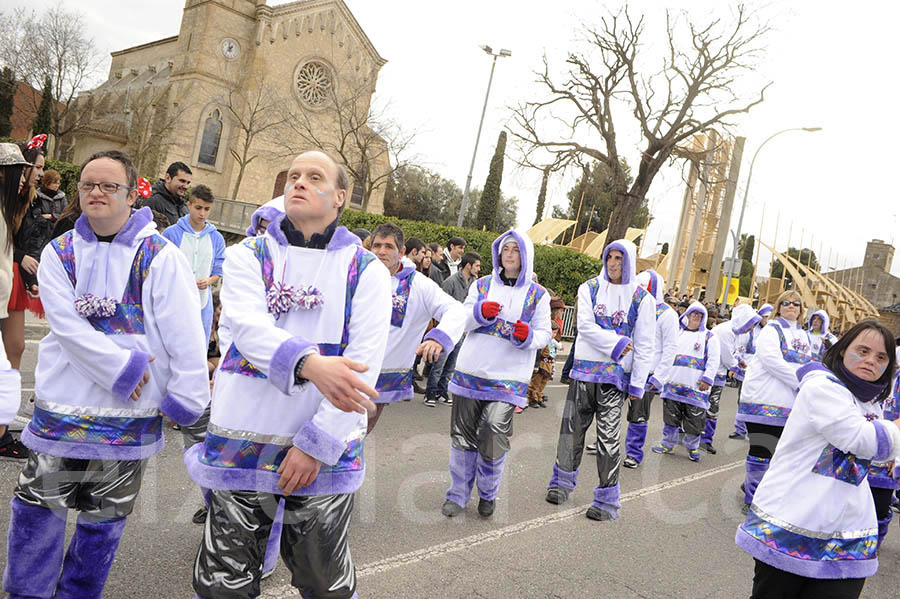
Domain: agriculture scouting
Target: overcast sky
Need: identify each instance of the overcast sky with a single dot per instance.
(827, 61)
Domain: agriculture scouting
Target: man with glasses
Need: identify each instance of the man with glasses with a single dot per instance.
(119, 352)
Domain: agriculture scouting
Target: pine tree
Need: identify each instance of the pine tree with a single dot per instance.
(44, 119)
(542, 196)
(490, 195)
(7, 95)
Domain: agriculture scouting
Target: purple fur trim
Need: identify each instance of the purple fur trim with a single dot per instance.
(135, 224)
(91, 451)
(809, 367)
(273, 547)
(36, 541)
(883, 526)
(523, 254)
(616, 354)
(488, 474)
(463, 466)
(89, 558)
(83, 228)
(884, 442)
(268, 213)
(342, 238)
(626, 261)
(393, 396)
(607, 499)
(177, 412)
(264, 481)
(441, 337)
(284, 361)
(831, 569)
(562, 479)
(784, 323)
(754, 320)
(709, 430)
(670, 436)
(509, 398)
(636, 391)
(479, 317)
(707, 380)
(275, 232)
(759, 419)
(654, 384)
(635, 439)
(691, 441)
(765, 310)
(526, 344)
(130, 375)
(319, 444)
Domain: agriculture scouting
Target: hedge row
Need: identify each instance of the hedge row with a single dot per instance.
(557, 268)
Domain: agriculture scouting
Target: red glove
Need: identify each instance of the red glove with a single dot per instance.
(521, 330)
(490, 309)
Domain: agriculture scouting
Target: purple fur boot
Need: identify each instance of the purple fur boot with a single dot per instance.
(34, 553)
(634, 441)
(488, 474)
(883, 526)
(606, 503)
(740, 428)
(755, 469)
(89, 558)
(562, 479)
(709, 431)
(462, 475)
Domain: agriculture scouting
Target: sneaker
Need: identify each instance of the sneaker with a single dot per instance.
(557, 496)
(451, 509)
(200, 516)
(708, 448)
(518, 410)
(630, 462)
(736, 435)
(694, 454)
(13, 451)
(27, 409)
(447, 401)
(18, 423)
(430, 401)
(662, 449)
(267, 574)
(485, 508)
(895, 503)
(595, 513)
(592, 448)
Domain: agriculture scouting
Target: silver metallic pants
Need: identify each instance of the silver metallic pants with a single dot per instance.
(481, 425)
(100, 489)
(715, 398)
(196, 433)
(639, 409)
(691, 419)
(584, 403)
(314, 545)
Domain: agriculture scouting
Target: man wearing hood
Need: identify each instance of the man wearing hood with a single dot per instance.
(415, 301)
(747, 352)
(820, 338)
(733, 336)
(613, 356)
(119, 352)
(663, 356)
(203, 246)
(686, 393)
(509, 319)
(166, 195)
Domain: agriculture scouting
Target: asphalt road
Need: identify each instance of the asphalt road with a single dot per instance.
(675, 536)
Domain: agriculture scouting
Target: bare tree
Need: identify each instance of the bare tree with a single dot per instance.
(692, 92)
(52, 45)
(154, 117)
(367, 139)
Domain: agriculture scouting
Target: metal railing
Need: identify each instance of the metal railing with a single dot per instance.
(231, 215)
(568, 318)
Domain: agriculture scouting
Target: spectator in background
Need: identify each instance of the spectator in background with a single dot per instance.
(424, 266)
(363, 234)
(437, 257)
(52, 200)
(167, 194)
(415, 250)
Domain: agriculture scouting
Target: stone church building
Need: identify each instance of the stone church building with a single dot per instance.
(237, 93)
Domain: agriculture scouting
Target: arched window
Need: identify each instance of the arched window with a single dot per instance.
(280, 182)
(212, 134)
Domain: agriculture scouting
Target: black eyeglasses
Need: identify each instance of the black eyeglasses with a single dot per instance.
(785, 304)
(86, 187)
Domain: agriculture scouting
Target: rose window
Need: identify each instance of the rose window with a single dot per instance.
(314, 83)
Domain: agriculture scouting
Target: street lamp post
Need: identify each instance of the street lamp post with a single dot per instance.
(737, 235)
(465, 198)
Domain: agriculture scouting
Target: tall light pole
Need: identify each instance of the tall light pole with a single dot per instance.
(465, 198)
(737, 235)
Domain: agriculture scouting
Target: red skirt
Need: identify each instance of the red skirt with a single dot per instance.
(18, 298)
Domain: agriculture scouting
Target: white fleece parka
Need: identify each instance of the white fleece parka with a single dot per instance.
(667, 329)
(696, 360)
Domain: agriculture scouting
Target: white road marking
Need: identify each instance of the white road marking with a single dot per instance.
(405, 559)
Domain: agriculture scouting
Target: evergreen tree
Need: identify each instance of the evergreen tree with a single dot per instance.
(598, 189)
(44, 120)
(7, 95)
(490, 195)
(542, 196)
(665, 249)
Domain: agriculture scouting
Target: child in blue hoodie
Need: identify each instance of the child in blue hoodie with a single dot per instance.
(204, 247)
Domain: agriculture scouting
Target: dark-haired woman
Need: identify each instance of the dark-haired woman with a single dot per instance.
(812, 528)
(12, 167)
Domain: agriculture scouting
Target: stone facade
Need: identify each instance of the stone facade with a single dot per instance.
(192, 97)
(873, 280)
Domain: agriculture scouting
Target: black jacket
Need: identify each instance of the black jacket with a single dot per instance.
(440, 271)
(51, 202)
(165, 203)
(30, 239)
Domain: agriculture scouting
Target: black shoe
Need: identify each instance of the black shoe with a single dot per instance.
(200, 516)
(708, 448)
(557, 496)
(630, 462)
(451, 509)
(430, 401)
(736, 436)
(446, 401)
(13, 450)
(418, 389)
(486, 508)
(592, 448)
(595, 513)
(743, 491)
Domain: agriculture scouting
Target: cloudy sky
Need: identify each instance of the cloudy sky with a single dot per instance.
(826, 61)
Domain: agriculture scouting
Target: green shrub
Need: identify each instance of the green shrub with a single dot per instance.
(69, 173)
(558, 268)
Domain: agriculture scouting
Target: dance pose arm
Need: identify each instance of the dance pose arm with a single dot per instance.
(539, 329)
(603, 340)
(450, 314)
(644, 342)
(713, 351)
(769, 356)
